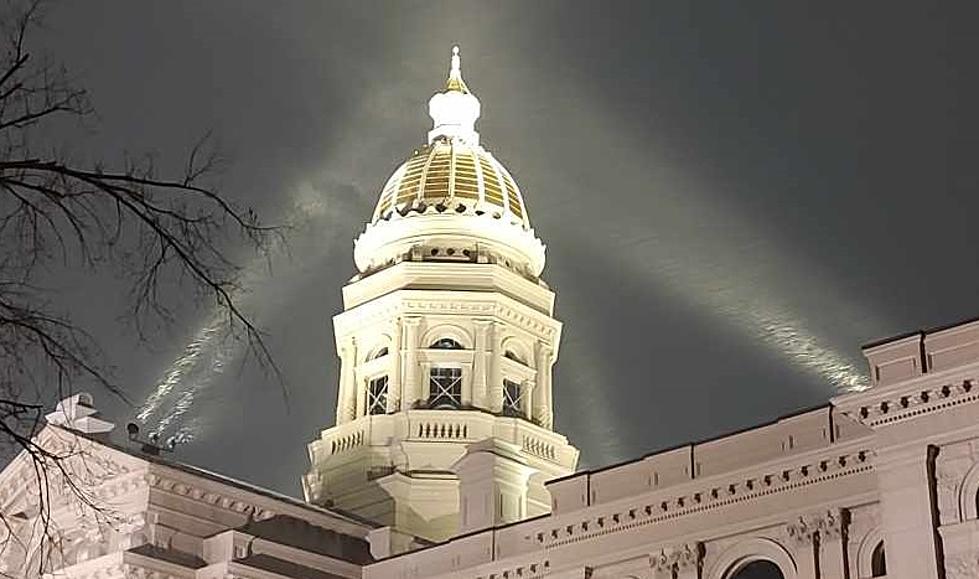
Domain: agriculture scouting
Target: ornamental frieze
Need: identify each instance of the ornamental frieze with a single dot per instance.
(366, 316)
(715, 497)
(208, 497)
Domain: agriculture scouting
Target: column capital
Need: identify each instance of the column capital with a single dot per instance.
(828, 524)
(348, 344)
(677, 558)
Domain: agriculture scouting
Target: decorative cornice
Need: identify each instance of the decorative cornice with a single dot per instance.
(718, 495)
(891, 405)
(398, 303)
(208, 497)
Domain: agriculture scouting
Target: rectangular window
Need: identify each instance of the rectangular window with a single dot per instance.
(377, 396)
(445, 388)
(512, 399)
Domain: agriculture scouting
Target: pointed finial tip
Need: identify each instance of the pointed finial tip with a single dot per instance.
(455, 82)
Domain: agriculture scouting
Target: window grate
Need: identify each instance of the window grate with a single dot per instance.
(377, 396)
(445, 388)
(512, 399)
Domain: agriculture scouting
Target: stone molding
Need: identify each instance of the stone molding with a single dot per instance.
(534, 570)
(889, 406)
(208, 497)
(718, 495)
(396, 304)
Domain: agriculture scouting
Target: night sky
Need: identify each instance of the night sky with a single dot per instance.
(734, 196)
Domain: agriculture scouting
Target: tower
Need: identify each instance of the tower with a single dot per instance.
(446, 344)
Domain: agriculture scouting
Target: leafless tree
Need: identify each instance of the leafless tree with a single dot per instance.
(159, 231)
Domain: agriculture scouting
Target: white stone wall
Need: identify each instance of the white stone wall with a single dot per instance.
(816, 494)
(135, 515)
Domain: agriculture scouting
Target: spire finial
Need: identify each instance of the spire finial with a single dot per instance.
(455, 81)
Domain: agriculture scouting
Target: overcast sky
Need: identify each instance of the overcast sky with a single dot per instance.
(734, 196)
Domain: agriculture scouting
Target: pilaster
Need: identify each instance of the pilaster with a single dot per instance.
(543, 410)
(495, 387)
(409, 355)
(804, 542)
(346, 403)
(833, 531)
(481, 362)
(395, 391)
(906, 513)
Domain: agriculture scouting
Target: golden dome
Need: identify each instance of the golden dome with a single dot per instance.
(451, 175)
(451, 199)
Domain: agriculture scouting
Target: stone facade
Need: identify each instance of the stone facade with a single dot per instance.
(131, 514)
(881, 483)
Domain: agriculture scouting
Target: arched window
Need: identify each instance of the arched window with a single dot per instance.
(446, 344)
(445, 387)
(878, 561)
(758, 569)
(377, 395)
(512, 399)
(380, 353)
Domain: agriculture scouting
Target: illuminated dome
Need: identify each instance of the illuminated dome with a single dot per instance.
(460, 176)
(451, 200)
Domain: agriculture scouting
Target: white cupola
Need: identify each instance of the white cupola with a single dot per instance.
(447, 341)
(454, 112)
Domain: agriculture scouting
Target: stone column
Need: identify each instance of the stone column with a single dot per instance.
(346, 401)
(360, 394)
(495, 385)
(543, 410)
(425, 387)
(529, 393)
(832, 527)
(904, 479)
(395, 393)
(481, 361)
(409, 356)
(804, 539)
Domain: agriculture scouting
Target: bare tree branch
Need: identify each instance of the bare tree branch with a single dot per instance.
(159, 232)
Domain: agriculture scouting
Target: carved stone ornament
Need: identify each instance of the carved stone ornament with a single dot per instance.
(828, 524)
(677, 557)
(962, 566)
(950, 475)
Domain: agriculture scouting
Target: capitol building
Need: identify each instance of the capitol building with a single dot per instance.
(442, 460)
